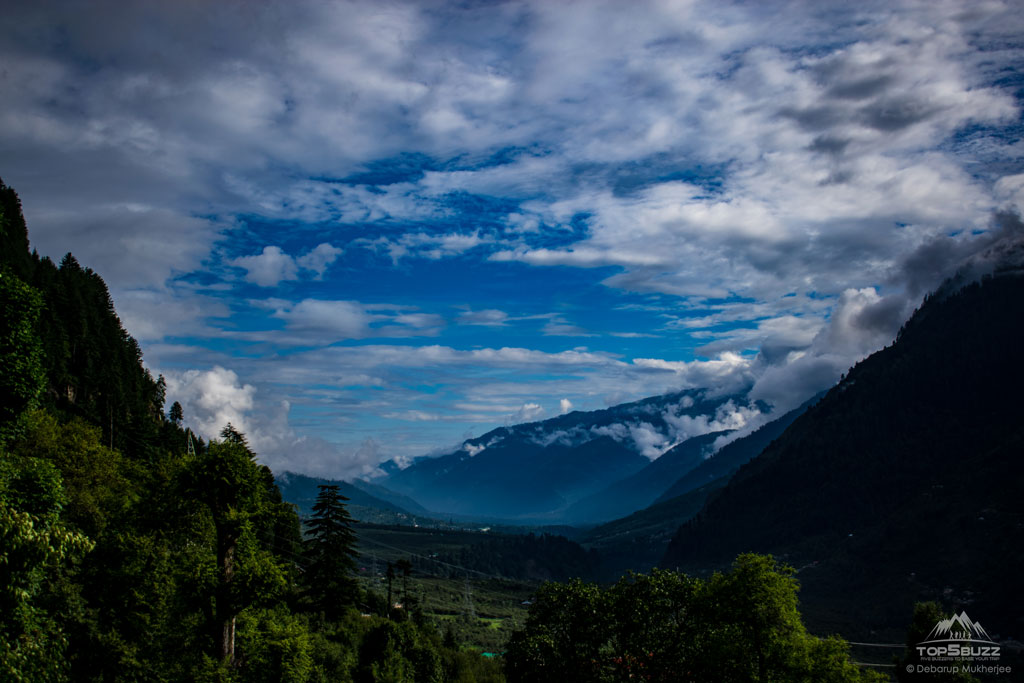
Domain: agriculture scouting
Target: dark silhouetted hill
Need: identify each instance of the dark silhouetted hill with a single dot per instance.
(903, 483)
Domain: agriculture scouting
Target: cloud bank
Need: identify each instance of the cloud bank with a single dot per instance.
(409, 221)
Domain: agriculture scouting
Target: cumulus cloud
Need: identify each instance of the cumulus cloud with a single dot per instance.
(319, 258)
(672, 426)
(273, 266)
(527, 413)
(564, 406)
(269, 268)
(340, 319)
(648, 441)
(277, 445)
(211, 399)
(726, 374)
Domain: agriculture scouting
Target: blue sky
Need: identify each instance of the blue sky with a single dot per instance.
(365, 230)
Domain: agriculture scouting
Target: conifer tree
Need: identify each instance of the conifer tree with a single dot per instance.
(176, 414)
(330, 550)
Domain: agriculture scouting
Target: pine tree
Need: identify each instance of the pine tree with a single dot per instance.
(176, 414)
(330, 551)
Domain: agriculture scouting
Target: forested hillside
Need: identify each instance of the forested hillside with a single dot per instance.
(903, 483)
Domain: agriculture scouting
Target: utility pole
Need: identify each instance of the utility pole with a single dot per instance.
(391, 576)
(467, 602)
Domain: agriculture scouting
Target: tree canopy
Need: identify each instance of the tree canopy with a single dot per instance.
(742, 625)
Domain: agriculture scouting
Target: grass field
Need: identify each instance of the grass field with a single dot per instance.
(481, 610)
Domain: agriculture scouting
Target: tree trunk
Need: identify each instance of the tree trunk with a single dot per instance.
(226, 543)
(227, 641)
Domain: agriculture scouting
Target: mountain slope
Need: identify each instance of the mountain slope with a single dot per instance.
(638, 542)
(535, 470)
(302, 490)
(639, 490)
(404, 502)
(730, 456)
(903, 482)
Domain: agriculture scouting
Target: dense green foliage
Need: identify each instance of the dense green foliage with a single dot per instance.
(742, 625)
(36, 553)
(20, 352)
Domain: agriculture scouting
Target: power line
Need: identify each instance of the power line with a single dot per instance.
(851, 642)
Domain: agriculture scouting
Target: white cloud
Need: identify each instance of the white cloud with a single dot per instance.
(861, 322)
(727, 417)
(133, 245)
(564, 406)
(268, 268)
(335, 319)
(726, 374)
(527, 413)
(211, 399)
(181, 313)
(319, 258)
(426, 245)
(273, 266)
(319, 322)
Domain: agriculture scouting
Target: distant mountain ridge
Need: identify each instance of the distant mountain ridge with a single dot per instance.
(302, 490)
(538, 470)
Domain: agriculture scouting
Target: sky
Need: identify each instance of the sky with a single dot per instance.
(370, 230)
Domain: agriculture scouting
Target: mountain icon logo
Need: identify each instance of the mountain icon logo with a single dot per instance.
(958, 628)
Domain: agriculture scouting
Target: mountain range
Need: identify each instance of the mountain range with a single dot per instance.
(582, 466)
